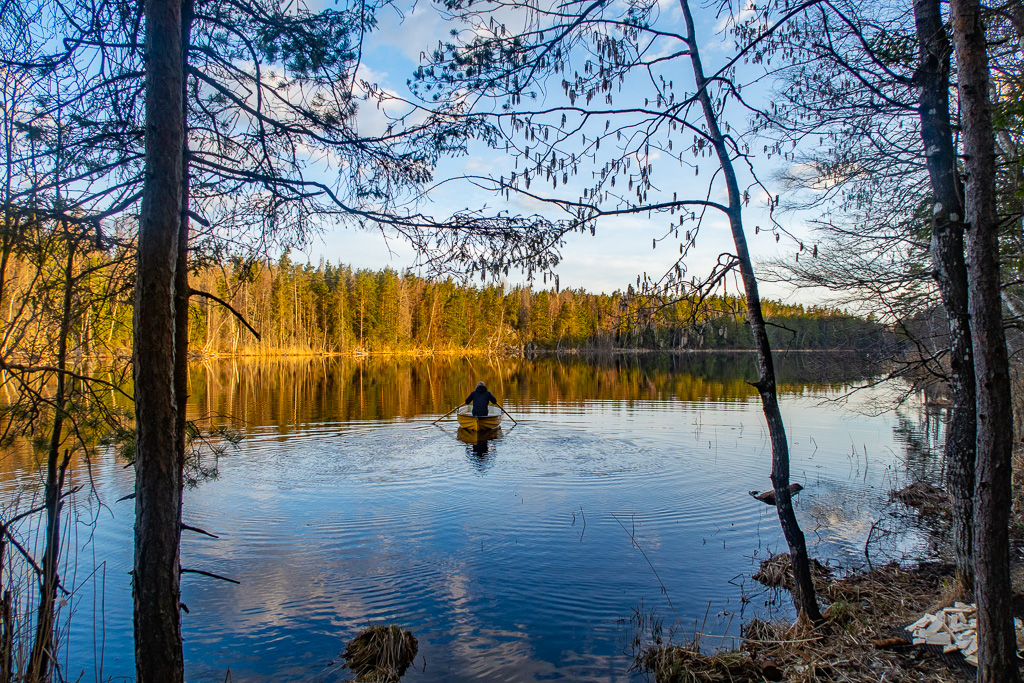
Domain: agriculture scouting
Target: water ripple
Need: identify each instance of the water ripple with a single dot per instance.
(516, 559)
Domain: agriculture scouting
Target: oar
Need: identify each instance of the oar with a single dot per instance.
(506, 412)
(447, 414)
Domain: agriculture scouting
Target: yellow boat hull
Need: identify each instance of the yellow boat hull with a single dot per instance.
(476, 437)
(478, 424)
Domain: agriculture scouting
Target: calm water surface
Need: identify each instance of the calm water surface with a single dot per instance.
(623, 488)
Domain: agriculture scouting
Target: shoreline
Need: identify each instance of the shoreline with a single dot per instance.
(517, 352)
(868, 613)
(522, 353)
(865, 614)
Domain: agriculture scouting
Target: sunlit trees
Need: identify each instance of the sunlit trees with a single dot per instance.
(302, 309)
(57, 277)
(268, 98)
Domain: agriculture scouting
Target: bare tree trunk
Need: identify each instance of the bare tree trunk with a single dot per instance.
(803, 592)
(997, 652)
(6, 635)
(42, 655)
(158, 466)
(182, 290)
(947, 251)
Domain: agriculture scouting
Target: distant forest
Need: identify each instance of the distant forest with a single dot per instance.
(335, 309)
(305, 309)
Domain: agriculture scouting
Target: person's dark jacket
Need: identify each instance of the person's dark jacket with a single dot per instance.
(480, 398)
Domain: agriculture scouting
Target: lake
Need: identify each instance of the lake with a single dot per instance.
(622, 491)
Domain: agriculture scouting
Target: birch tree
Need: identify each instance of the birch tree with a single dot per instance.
(598, 157)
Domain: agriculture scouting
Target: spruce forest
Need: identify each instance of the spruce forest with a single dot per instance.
(243, 466)
(302, 309)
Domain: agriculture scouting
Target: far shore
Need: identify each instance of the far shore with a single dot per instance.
(508, 352)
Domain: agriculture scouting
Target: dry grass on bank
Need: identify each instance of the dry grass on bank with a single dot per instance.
(861, 639)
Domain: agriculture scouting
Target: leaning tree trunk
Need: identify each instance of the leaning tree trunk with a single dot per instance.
(950, 272)
(41, 658)
(997, 653)
(803, 592)
(158, 467)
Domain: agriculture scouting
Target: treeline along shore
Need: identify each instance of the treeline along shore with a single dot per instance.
(303, 309)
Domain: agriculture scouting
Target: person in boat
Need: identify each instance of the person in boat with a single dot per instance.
(481, 398)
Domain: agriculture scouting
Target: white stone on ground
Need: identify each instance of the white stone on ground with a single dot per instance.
(954, 629)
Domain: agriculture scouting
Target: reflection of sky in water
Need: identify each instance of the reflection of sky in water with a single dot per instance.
(510, 564)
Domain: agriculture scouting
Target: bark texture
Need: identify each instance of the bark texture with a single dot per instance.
(6, 631)
(804, 597)
(181, 287)
(950, 273)
(158, 466)
(997, 653)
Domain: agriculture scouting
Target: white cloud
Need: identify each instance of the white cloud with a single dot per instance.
(413, 32)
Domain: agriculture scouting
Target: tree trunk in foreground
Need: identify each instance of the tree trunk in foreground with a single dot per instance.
(182, 292)
(950, 272)
(803, 592)
(158, 467)
(997, 651)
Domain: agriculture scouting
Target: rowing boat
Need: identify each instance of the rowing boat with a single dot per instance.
(466, 419)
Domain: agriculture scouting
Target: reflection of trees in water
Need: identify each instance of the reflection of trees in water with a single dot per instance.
(845, 519)
(921, 432)
(290, 392)
(900, 533)
(100, 415)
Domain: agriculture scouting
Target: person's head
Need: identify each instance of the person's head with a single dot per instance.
(480, 386)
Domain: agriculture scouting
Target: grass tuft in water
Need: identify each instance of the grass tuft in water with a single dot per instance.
(777, 572)
(928, 500)
(381, 654)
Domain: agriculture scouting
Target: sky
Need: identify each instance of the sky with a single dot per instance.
(622, 247)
